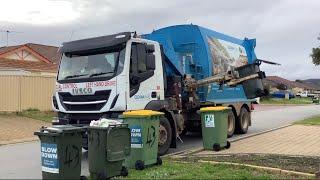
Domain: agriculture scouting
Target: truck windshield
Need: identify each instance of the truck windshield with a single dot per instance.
(87, 66)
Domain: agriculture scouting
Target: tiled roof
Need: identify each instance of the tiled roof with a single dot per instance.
(8, 48)
(48, 52)
(28, 65)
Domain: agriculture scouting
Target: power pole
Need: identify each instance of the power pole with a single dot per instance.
(7, 35)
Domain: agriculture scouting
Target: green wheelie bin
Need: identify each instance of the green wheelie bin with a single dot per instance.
(108, 147)
(61, 151)
(144, 126)
(214, 122)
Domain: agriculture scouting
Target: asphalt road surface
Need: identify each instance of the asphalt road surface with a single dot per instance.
(23, 160)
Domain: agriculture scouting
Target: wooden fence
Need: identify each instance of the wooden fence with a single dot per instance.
(19, 93)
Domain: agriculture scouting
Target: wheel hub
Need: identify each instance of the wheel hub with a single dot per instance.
(245, 120)
(230, 124)
(163, 135)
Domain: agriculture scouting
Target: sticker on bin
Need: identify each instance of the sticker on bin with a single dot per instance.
(209, 120)
(136, 137)
(49, 158)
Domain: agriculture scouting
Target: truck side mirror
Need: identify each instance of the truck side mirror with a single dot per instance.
(150, 48)
(151, 62)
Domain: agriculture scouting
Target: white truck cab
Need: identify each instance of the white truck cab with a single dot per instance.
(114, 75)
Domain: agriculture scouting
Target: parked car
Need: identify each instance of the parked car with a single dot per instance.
(305, 94)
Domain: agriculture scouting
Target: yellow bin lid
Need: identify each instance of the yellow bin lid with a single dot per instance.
(139, 113)
(215, 108)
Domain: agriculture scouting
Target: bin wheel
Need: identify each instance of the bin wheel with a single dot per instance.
(228, 145)
(139, 165)
(101, 176)
(216, 147)
(159, 161)
(124, 171)
(83, 178)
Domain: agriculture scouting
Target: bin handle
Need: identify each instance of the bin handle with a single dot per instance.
(51, 129)
(118, 125)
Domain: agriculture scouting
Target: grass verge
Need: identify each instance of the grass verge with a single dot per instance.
(293, 163)
(33, 114)
(196, 170)
(39, 115)
(286, 101)
(310, 121)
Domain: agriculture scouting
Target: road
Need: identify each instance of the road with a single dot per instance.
(23, 160)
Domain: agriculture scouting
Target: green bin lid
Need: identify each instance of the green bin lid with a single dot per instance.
(141, 113)
(215, 108)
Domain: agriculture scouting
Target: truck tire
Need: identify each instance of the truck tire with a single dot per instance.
(242, 124)
(165, 136)
(231, 123)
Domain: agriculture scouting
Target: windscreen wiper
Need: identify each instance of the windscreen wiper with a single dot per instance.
(76, 75)
(101, 73)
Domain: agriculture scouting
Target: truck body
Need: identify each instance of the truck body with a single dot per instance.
(105, 76)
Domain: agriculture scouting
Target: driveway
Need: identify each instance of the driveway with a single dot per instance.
(296, 140)
(15, 129)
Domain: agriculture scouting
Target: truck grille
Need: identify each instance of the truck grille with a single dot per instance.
(100, 96)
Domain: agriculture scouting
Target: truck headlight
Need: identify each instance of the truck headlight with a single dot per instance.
(55, 103)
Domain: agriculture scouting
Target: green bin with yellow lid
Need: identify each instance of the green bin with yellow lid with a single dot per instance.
(144, 127)
(214, 123)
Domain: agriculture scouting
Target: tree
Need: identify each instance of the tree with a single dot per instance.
(316, 55)
(282, 87)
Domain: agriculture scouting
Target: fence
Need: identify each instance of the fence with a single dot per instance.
(18, 93)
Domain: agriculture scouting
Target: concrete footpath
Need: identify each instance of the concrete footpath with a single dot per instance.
(295, 140)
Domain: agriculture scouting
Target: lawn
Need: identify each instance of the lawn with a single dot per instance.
(286, 101)
(39, 115)
(310, 121)
(195, 170)
(33, 114)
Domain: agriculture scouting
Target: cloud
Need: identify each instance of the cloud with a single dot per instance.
(286, 30)
(39, 12)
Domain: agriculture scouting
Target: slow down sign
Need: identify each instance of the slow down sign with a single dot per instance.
(49, 158)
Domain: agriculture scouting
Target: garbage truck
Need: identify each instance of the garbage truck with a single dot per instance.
(176, 70)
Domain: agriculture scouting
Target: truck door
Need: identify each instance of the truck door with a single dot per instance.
(143, 83)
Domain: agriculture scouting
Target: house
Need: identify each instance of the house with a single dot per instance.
(275, 82)
(29, 59)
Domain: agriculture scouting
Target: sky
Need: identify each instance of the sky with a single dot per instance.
(286, 30)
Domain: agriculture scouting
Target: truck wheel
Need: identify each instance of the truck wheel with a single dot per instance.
(165, 136)
(243, 121)
(231, 123)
